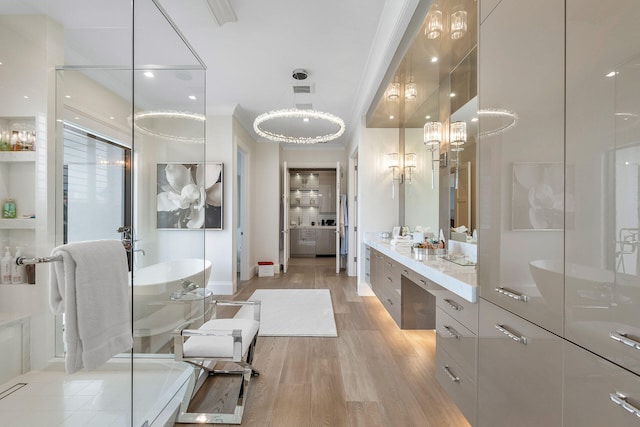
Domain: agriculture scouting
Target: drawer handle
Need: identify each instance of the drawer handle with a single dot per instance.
(389, 264)
(405, 272)
(513, 336)
(452, 376)
(451, 332)
(453, 304)
(390, 279)
(390, 302)
(424, 282)
(511, 294)
(621, 400)
(624, 339)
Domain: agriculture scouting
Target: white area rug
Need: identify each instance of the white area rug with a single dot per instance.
(294, 312)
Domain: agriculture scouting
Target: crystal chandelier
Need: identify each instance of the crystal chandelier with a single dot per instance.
(410, 90)
(433, 27)
(303, 114)
(458, 24)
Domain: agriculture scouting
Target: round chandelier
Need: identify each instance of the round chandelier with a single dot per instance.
(163, 123)
(302, 114)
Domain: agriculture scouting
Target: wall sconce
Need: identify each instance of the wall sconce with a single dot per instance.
(410, 163)
(458, 24)
(432, 139)
(458, 137)
(392, 161)
(433, 27)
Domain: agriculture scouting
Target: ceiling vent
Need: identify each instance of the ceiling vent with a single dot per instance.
(301, 89)
(304, 106)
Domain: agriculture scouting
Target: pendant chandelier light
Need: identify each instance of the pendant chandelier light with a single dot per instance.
(335, 129)
(304, 115)
(433, 27)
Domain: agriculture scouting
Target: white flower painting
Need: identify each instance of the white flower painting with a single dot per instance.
(189, 196)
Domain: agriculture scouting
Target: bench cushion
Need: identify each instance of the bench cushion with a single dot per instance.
(221, 346)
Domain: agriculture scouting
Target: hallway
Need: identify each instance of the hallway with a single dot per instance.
(373, 374)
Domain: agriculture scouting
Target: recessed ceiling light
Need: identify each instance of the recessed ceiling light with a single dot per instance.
(391, 117)
(475, 119)
(452, 94)
(192, 97)
(26, 96)
(112, 118)
(611, 73)
(306, 119)
(76, 118)
(148, 74)
(434, 59)
(67, 96)
(427, 117)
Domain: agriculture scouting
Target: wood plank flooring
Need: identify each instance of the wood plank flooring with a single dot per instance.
(373, 374)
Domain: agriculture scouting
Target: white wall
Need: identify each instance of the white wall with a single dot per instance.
(377, 205)
(30, 49)
(265, 209)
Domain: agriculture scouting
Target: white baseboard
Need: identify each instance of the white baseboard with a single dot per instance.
(221, 287)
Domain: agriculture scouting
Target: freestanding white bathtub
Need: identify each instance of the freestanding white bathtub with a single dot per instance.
(166, 296)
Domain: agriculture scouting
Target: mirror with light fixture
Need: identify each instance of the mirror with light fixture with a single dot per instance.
(433, 80)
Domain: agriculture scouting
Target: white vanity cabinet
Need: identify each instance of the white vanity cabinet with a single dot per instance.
(598, 393)
(519, 371)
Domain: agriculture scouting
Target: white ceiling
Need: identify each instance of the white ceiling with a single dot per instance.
(344, 45)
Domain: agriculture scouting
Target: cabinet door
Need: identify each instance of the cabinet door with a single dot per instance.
(602, 270)
(294, 242)
(598, 393)
(521, 167)
(519, 371)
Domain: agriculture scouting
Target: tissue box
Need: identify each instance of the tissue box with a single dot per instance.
(265, 269)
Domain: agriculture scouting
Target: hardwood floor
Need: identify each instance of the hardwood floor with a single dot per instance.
(372, 374)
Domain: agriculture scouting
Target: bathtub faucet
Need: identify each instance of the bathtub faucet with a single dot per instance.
(187, 285)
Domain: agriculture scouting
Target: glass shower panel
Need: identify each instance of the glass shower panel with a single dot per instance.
(171, 203)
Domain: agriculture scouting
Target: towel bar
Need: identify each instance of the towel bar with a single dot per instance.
(24, 260)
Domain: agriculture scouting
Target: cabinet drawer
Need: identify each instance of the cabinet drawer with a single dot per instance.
(390, 299)
(519, 371)
(594, 390)
(457, 341)
(460, 387)
(459, 308)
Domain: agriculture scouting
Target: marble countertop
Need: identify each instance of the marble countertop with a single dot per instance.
(461, 280)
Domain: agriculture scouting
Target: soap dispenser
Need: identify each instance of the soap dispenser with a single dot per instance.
(6, 267)
(18, 273)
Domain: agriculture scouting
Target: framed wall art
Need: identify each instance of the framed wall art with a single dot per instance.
(190, 196)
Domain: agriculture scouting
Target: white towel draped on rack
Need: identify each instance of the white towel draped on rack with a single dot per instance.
(90, 286)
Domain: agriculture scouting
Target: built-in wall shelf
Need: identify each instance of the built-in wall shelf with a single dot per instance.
(17, 223)
(17, 156)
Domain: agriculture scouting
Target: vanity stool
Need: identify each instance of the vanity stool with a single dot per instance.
(218, 340)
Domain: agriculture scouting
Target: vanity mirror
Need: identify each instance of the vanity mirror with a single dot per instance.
(434, 79)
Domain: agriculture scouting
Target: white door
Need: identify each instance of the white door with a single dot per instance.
(285, 217)
(339, 222)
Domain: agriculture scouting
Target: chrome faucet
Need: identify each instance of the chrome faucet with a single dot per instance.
(187, 286)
